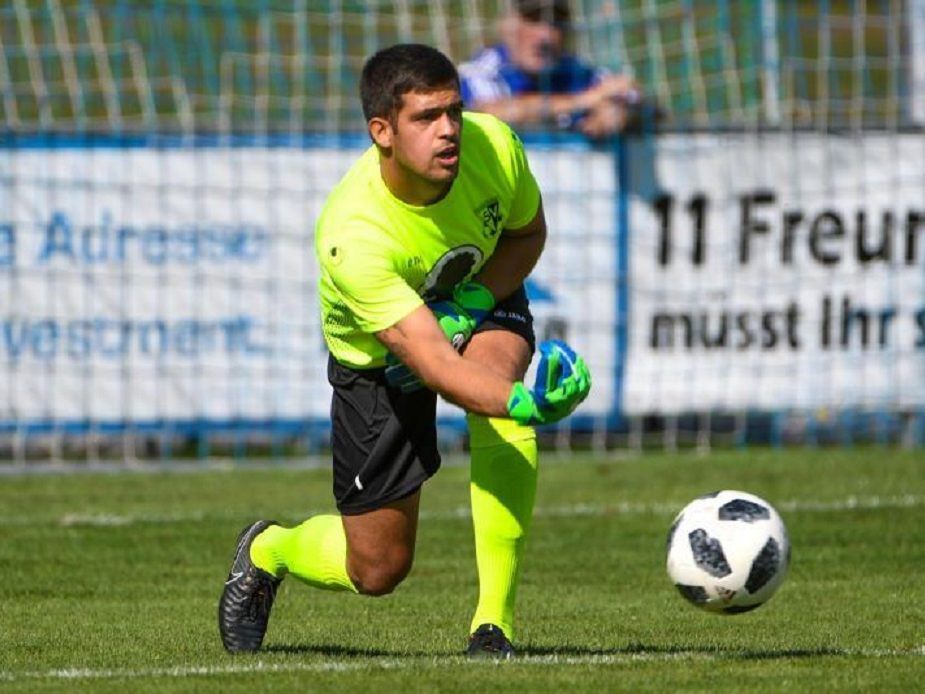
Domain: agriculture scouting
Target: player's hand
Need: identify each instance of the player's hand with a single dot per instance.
(475, 299)
(456, 324)
(563, 381)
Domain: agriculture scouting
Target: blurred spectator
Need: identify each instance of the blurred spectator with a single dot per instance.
(530, 78)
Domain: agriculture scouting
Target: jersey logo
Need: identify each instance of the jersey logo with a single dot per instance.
(490, 214)
(452, 268)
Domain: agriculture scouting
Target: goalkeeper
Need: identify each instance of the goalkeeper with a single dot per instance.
(424, 246)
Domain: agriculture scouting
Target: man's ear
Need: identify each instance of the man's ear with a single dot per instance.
(380, 129)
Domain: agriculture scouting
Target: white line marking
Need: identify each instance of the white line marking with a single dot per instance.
(849, 503)
(631, 508)
(193, 670)
(418, 662)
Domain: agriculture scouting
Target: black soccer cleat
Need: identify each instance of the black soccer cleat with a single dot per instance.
(244, 608)
(489, 642)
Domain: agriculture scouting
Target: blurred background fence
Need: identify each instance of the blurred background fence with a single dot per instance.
(263, 66)
(749, 269)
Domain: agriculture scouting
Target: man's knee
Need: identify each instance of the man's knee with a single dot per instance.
(382, 575)
(380, 545)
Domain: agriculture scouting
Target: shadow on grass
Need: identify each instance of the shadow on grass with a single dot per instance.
(331, 650)
(635, 649)
(643, 650)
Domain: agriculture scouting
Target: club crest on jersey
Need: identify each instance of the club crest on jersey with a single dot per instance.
(490, 214)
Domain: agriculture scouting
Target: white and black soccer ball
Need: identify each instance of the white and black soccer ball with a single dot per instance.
(728, 551)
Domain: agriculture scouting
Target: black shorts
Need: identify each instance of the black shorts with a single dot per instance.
(512, 314)
(384, 441)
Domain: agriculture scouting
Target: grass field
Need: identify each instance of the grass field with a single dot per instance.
(111, 581)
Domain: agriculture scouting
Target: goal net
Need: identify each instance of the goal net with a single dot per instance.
(747, 268)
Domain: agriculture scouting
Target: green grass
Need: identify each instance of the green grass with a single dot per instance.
(111, 581)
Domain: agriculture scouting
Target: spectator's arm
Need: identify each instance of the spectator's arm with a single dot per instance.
(535, 108)
(602, 109)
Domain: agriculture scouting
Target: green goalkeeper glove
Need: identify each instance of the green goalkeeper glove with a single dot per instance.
(563, 381)
(475, 299)
(456, 324)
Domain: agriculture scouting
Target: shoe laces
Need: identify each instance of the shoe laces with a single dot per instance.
(257, 602)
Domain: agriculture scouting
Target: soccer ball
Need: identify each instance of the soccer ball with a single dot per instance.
(728, 551)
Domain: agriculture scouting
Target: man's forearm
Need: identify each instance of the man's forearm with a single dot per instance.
(419, 341)
(471, 386)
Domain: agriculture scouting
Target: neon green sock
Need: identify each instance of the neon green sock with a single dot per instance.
(503, 488)
(314, 552)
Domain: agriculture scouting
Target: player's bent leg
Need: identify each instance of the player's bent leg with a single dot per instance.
(370, 553)
(385, 447)
(314, 552)
(366, 553)
(380, 545)
(503, 477)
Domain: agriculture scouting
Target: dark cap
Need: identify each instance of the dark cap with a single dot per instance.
(553, 11)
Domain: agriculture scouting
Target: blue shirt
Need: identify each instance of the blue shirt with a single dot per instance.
(491, 75)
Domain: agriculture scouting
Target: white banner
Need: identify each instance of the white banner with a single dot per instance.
(776, 271)
(766, 271)
(147, 285)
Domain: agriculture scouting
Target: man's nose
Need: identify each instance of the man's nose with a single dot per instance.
(448, 125)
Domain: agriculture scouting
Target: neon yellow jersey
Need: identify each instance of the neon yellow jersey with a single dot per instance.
(381, 258)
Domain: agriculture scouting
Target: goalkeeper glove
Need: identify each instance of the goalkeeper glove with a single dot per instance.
(563, 381)
(456, 324)
(475, 299)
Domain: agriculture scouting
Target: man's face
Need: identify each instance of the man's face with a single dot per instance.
(425, 136)
(536, 41)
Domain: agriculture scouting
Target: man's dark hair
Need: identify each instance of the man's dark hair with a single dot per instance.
(399, 69)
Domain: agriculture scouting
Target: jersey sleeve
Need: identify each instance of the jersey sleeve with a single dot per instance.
(526, 198)
(366, 281)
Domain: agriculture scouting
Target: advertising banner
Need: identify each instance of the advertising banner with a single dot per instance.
(775, 271)
(140, 284)
(765, 271)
